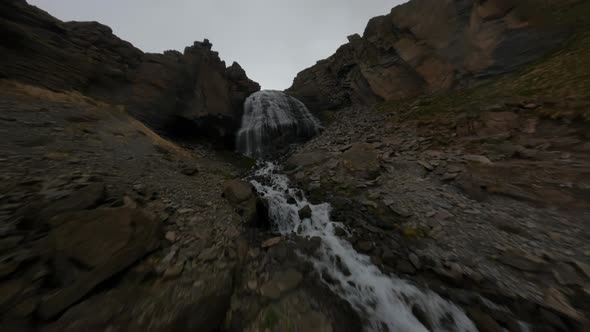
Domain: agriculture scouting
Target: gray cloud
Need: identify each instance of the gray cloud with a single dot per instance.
(272, 39)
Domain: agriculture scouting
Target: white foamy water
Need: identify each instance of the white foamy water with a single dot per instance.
(385, 301)
(272, 120)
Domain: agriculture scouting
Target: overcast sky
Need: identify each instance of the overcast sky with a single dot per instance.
(272, 39)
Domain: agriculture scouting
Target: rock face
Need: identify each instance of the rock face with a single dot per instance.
(426, 46)
(193, 90)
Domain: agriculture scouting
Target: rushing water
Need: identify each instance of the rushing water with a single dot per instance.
(387, 302)
(272, 121)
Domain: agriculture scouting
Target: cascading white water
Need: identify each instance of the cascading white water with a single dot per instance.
(386, 301)
(272, 121)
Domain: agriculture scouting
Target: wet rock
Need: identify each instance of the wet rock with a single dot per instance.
(281, 283)
(340, 232)
(422, 317)
(279, 252)
(104, 242)
(305, 212)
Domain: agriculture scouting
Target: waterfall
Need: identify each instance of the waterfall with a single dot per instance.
(272, 121)
(387, 303)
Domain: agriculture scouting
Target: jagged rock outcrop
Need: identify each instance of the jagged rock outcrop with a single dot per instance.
(426, 46)
(163, 90)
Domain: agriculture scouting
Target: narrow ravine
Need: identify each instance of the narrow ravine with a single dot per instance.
(272, 121)
(388, 302)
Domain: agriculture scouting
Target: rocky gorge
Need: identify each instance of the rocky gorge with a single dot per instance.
(447, 187)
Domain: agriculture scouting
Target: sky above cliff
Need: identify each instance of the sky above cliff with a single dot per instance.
(272, 39)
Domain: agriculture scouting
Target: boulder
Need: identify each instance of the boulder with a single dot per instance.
(242, 197)
(91, 247)
(171, 306)
(237, 191)
(305, 212)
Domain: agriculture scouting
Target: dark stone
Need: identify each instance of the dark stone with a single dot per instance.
(364, 246)
(419, 313)
(91, 247)
(404, 266)
(305, 212)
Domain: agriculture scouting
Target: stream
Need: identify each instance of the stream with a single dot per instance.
(387, 302)
(273, 121)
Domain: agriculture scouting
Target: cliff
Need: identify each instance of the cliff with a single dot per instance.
(194, 87)
(428, 46)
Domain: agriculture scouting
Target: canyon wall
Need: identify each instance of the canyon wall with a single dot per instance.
(428, 46)
(194, 88)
